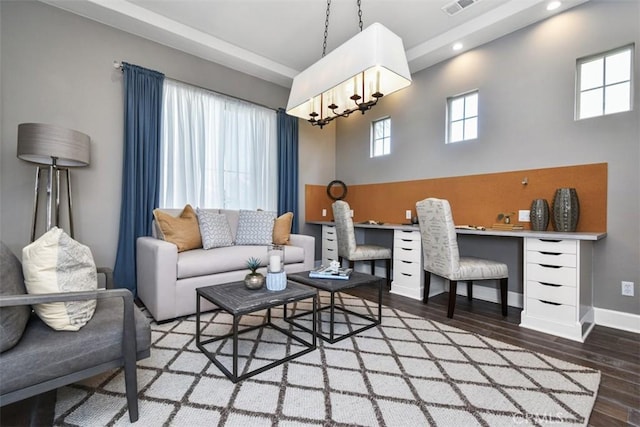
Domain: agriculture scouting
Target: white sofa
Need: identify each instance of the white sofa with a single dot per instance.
(167, 280)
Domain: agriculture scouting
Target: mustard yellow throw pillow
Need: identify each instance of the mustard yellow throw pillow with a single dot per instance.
(282, 229)
(183, 230)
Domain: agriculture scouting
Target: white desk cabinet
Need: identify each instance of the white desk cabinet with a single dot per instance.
(558, 287)
(407, 264)
(329, 244)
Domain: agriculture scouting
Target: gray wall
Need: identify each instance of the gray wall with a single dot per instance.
(57, 68)
(526, 82)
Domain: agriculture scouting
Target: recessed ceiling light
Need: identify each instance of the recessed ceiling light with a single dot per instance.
(553, 5)
(457, 46)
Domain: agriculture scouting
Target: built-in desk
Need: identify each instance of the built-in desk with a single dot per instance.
(556, 278)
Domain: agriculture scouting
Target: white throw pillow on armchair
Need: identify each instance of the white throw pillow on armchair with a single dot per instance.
(56, 263)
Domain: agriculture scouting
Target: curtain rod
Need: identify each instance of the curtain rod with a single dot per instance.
(118, 65)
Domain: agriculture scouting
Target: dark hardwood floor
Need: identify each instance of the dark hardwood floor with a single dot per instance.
(615, 353)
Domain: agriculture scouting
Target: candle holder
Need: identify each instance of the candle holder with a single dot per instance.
(276, 276)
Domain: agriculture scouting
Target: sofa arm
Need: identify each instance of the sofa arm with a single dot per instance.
(157, 274)
(308, 243)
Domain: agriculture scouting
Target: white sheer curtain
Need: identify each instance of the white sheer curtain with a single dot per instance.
(216, 151)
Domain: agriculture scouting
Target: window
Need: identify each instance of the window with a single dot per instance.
(462, 117)
(216, 151)
(381, 137)
(604, 83)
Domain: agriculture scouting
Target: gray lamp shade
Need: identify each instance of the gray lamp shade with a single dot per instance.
(40, 143)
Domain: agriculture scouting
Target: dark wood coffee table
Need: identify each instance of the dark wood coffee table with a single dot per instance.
(237, 300)
(333, 286)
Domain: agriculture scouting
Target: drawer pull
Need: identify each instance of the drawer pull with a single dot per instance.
(405, 274)
(406, 262)
(406, 249)
(550, 284)
(549, 302)
(550, 266)
(406, 240)
(551, 253)
(329, 249)
(331, 240)
(550, 240)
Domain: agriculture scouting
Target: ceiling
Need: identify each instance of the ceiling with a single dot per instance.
(276, 39)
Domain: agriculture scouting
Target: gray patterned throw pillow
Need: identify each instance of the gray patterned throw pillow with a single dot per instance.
(214, 229)
(255, 227)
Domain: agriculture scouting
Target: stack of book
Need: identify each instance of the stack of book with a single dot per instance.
(508, 227)
(324, 272)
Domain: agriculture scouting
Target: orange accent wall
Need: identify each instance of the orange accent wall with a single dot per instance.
(474, 199)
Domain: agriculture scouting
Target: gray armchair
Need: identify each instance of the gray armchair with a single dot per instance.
(44, 359)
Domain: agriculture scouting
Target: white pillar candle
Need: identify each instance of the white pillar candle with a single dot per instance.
(274, 263)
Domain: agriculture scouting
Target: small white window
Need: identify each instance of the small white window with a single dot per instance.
(462, 117)
(381, 137)
(604, 83)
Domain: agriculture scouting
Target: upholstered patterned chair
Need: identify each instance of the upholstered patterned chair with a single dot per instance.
(347, 247)
(441, 256)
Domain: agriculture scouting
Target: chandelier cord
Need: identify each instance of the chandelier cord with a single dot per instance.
(359, 16)
(326, 28)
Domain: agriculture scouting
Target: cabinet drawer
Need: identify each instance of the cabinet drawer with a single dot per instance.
(560, 313)
(407, 243)
(406, 279)
(551, 274)
(330, 253)
(404, 266)
(407, 235)
(406, 254)
(554, 246)
(552, 293)
(551, 258)
(330, 243)
(328, 231)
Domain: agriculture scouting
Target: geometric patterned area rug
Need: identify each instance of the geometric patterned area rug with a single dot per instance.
(408, 371)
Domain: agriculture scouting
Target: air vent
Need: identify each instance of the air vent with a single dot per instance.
(457, 6)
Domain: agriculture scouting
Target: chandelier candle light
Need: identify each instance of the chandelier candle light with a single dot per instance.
(353, 77)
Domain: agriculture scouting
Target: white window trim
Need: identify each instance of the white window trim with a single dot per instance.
(578, 92)
(373, 140)
(448, 113)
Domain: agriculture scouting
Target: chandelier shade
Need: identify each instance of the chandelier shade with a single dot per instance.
(351, 78)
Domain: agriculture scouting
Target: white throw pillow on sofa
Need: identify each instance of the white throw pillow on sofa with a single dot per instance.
(56, 263)
(255, 227)
(214, 229)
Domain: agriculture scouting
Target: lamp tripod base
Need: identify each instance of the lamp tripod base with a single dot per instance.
(53, 198)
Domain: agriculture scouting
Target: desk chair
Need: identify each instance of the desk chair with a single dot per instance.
(347, 247)
(442, 258)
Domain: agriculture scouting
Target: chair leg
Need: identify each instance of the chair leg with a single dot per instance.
(504, 287)
(470, 290)
(388, 273)
(373, 267)
(427, 286)
(453, 289)
(352, 264)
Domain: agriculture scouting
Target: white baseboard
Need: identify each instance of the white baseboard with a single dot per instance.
(617, 319)
(514, 299)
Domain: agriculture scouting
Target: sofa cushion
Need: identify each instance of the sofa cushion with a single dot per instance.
(43, 355)
(200, 262)
(282, 229)
(183, 230)
(214, 229)
(255, 227)
(232, 218)
(12, 319)
(56, 263)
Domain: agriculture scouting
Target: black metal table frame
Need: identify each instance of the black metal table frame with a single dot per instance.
(332, 308)
(233, 376)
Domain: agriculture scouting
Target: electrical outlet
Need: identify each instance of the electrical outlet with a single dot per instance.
(324, 212)
(627, 289)
(407, 214)
(524, 216)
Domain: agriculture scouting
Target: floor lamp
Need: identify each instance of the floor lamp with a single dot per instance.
(54, 149)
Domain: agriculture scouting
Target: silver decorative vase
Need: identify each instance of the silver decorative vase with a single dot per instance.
(539, 215)
(254, 280)
(566, 209)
